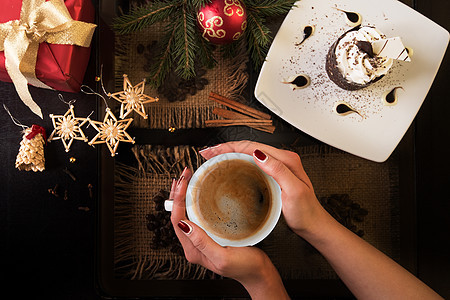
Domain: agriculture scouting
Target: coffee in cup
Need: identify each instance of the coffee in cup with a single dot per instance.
(233, 200)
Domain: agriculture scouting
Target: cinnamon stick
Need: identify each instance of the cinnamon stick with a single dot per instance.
(232, 115)
(264, 128)
(245, 122)
(229, 114)
(247, 110)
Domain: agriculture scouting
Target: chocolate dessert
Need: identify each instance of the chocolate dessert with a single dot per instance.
(351, 63)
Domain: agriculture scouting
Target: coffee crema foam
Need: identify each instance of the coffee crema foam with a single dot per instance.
(232, 199)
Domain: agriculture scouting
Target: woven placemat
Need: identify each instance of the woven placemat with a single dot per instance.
(135, 188)
(228, 78)
(373, 186)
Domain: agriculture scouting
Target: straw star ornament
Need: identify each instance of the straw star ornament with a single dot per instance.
(111, 132)
(132, 98)
(67, 128)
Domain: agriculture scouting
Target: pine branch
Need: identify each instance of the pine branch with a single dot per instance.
(258, 37)
(143, 16)
(185, 47)
(164, 60)
(269, 7)
(197, 4)
(183, 44)
(230, 50)
(205, 52)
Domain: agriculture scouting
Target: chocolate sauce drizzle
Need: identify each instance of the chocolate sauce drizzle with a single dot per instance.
(308, 30)
(353, 18)
(299, 81)
(391, 97)
(342, 109)
(409, 51)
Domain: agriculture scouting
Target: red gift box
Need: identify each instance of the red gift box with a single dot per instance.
(61, 67)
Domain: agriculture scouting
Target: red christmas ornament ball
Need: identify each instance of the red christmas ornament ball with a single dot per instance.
(222, 21)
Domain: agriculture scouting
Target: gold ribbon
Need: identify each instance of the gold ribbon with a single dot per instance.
(40, 21)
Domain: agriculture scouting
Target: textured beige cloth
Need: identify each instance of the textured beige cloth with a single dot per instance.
(227, 78)
(372, 185)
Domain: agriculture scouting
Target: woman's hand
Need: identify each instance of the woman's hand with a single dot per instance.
(248, 265)
(301, 208)
(367, 272)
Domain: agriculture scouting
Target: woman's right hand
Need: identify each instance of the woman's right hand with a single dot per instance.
(301, 208)
(366, 271)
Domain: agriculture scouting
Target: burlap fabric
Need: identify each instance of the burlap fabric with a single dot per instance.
(228, 78)
(374, 186)
(134, 190)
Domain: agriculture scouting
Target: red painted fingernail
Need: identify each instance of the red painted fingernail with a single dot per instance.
(184, 170)
(174, 182)
(180, 180)
(185, 227)
(260, 155)
(182, 176)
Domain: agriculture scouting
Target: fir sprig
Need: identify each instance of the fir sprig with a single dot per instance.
(182, 43)
(269, 7)
(205, 52)
(164, 59)
(258, 37)
(197, 4)
(230, 50)
(144, 16)
(185, 46)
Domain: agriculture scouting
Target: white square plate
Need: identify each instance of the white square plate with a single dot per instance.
(376, 134)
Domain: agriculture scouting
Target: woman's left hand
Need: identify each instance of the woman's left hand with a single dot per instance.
(248, 265)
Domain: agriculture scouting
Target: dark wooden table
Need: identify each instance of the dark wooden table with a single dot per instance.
(48, 246)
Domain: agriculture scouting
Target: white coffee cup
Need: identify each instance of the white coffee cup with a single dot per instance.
(262, 232)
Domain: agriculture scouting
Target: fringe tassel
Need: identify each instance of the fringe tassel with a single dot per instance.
(164, 116)
(162, 160)
(132, 259)
(238, 78)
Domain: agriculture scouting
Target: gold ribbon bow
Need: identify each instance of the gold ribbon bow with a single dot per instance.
(40, 21)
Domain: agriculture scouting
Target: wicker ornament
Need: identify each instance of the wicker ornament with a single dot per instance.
(67, 128)
(132, 98)
(111, 131)
(31, 151)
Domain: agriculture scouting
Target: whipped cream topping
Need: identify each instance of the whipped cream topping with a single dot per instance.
(355, 64)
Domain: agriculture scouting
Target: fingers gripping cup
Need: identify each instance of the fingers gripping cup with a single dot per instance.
(233, 200)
